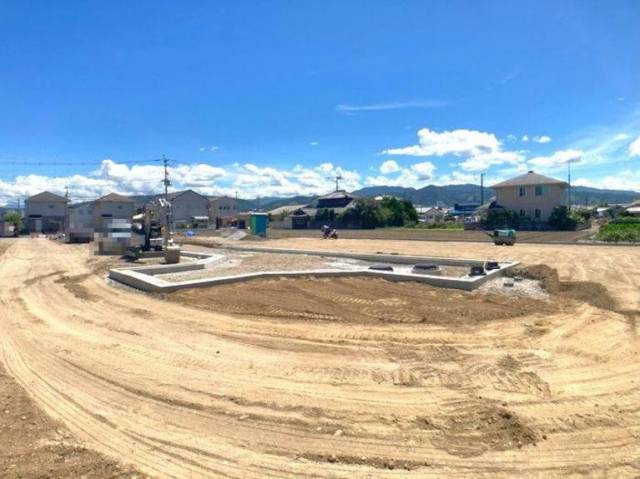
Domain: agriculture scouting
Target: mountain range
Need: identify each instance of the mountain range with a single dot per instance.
(448, 195)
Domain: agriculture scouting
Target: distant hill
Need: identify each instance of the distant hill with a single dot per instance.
(430, 195)
(468, 193)
(583, 195)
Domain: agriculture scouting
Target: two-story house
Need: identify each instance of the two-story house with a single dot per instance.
(532, 195)
(45, 213)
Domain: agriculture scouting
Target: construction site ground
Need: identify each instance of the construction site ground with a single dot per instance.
(421, 234)
(328, 378)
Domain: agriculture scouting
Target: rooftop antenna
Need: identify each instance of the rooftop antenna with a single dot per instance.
(337, 179)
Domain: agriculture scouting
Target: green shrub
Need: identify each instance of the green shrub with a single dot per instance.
(616, 231)
(561, 219)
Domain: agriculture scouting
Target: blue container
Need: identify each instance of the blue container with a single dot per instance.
(259, 223)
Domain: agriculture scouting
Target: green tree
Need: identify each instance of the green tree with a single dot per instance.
(501, 218)
(14, 218)
(561, 219)
(366, 213)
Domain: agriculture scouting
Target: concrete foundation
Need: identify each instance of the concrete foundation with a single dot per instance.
(144, 277)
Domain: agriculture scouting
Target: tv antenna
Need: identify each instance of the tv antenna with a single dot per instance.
(337, 179)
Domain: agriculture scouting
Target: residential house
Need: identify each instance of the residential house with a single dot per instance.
(325, 209)
(189, 208)
(45, 213)
(531, 195)
(430, 214)
(109, 207)
(223, 210)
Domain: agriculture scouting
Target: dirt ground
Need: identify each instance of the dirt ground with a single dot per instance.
(192, 388)
(358, 300)
(439, 235)
(34, 445)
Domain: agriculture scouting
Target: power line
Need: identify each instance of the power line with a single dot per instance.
(72, 163)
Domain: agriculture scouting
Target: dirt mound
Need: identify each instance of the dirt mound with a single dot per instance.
(475, 428)
(589, 292)
(356, 300)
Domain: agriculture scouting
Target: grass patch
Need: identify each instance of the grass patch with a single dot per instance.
(625, 229)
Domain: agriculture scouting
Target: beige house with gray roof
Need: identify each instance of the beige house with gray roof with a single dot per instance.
(532, 195)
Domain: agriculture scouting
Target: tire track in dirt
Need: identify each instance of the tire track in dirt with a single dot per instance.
(199, 393)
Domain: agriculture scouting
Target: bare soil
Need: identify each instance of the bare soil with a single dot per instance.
(423, 383)
(356, 300)
(438, 235)
(34, 445)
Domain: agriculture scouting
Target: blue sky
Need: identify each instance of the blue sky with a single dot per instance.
(274, 98)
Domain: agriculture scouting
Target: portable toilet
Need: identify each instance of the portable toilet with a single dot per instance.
(258, 224)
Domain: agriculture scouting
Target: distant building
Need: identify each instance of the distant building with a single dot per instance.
(6, 229)
(464, 211)
(430, 214)
(189, 208)
(532, 195)
(111, 206)
(45, 213)
(331, 205)
(223, 210)
(633, 209)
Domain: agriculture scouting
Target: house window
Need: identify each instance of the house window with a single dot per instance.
(540, 190)
(523, 213)
(522, 191)
(538, 213)
(51, 206)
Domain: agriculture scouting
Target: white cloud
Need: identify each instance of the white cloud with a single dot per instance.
(456, 142)
(314, 143)
(511, 137)
(559, 158)
(423, 170)
(542, 139)
(621, 137)
(525, 138)
(634, 147)
(414, 176)
(397, 105)
(248, 179)
(389, 166)
(482, 149)
(625, 180)
(484, 161)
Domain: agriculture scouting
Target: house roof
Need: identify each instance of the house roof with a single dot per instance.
(114, 198)
(529, 179)
(175, 194)
(288, 208)
(47, 196)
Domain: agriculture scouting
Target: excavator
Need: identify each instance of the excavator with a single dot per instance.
(149, 229)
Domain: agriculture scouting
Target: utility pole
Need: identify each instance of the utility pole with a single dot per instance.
(66, 192)
(569, 180)
(167, 183)
(481, 189)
